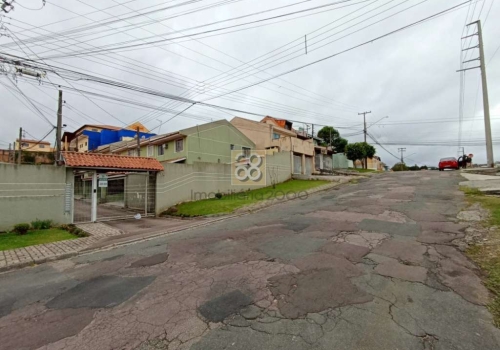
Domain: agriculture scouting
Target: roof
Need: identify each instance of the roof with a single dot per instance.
(236, 122)
(279, 122)
(110, 161)
(34, 141)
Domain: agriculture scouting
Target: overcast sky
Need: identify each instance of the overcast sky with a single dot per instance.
(409, 76)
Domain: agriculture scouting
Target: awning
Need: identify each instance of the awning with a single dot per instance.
(110, 161)
(176, 160)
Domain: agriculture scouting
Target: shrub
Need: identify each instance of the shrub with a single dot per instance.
(74, 230)
(21, 229)
(218, 195)
(41, 224)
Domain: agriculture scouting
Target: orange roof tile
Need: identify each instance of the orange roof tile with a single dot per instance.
(110, 161)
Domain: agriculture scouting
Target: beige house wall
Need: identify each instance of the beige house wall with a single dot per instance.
(262, 135)
(34, 147)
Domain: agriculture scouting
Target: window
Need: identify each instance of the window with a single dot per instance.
(41, 146)
(232, 147)
(132, 152)
(161, 150)
(276, 136)
(179, 145)
(85, 143)
(246, 151)
(94, 130)
(24, 145)
(150, 151)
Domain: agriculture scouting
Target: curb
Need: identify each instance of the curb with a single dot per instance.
(163, 233)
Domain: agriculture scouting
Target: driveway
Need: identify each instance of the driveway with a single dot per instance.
(366, 266)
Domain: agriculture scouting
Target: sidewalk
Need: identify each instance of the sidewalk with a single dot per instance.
(484, 183)
(37, 254)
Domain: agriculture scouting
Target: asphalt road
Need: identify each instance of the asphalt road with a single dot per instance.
(367, 266)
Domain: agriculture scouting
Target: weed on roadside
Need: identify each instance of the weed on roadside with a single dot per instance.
(487, 254)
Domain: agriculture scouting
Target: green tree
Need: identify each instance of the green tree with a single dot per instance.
(399, 167)
(369, 151)
(354, 151)
(331, 136)
(359, 151)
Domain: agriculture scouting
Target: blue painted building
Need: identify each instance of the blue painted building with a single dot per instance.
(89, 137)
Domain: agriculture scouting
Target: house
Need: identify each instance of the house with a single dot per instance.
(373, 163)
(89, 137)
(277, 135)
(323, 156)
(33, 146)
(210, 143)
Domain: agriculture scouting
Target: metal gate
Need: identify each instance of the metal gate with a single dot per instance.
(297, 164)
(309, 165)
(82, 198)
(117, 196)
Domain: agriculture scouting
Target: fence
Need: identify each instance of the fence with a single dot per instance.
(187, 182)
(340, 161)
(30, 192)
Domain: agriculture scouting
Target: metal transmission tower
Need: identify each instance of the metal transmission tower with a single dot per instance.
(486, 104)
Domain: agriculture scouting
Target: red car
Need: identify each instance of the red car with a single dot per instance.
(448, 163)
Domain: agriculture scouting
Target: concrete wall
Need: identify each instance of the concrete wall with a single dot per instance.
(187, 182)
(373, 164)
(135, 191)
(30, 192)
(340, 161)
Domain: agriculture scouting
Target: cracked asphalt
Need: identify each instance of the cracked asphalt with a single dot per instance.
(372, 265)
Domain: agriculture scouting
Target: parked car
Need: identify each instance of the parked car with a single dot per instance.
(448, 163)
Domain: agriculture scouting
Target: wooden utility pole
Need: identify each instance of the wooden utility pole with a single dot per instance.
(59, 128)
(19, 142)
(364, 131)
(486, 104)
(138, 142)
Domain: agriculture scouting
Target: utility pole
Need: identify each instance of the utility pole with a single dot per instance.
(402, 159)
(19, 142)
(364, 131)
(138, 143)
(59, 128)
(402, 150)
(486, 104)
(10, 153)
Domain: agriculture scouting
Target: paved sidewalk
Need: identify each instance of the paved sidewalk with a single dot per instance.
(41, 253)
(484, 183)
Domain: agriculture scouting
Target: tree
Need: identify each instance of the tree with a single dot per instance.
(369, 151)
(354, 151)
(331, 136)
(359, 151)
(399, 167)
